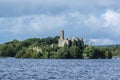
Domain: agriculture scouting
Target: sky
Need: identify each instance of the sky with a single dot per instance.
(94, 20)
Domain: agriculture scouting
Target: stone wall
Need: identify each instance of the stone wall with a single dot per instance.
(61, 43)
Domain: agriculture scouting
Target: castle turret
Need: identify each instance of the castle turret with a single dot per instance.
(67, 41)
(62, 35)
(62, 41)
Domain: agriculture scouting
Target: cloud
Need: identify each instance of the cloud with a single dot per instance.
(104, 41)
(88, 25)
(96, 19)
(28, 7)
(32, 24)
(111, 19)
(42, 22)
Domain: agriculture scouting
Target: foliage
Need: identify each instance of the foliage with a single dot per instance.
(48, 48)
(97, 52)
(75, 52)
(63, 53)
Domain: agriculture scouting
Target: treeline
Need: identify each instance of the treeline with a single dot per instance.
(48, 48)
(115, 49)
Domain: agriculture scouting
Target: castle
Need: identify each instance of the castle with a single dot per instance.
(62, 41)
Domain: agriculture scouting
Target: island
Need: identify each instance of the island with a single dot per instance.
(56, 47)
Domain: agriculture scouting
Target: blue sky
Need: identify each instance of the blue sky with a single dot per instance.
(96, 20)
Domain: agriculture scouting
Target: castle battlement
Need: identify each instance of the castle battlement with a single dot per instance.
(62, 41)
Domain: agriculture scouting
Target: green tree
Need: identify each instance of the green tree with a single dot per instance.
(63, 53)
(21, 53)
(75, 52)
(88, 52)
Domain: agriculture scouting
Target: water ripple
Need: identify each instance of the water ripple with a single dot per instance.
(59, 69)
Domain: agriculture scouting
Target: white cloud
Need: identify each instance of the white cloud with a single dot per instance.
(43, 22)
(48, 21)
(102, 27)
(32, 24)
(111, 20)
(93, 22)
(104, 41)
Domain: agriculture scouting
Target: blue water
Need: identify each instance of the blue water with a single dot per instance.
(59, 69)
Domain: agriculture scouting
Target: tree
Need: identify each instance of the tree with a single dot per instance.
(53, 54)
(63, 53)
(97, 52)
(75, 52)
(88, 52)
(21, 53)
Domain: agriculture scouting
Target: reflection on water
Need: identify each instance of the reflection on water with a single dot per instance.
(59, 69)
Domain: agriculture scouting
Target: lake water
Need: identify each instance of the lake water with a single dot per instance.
(59, 69)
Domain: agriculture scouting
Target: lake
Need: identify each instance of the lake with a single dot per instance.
(59, 69)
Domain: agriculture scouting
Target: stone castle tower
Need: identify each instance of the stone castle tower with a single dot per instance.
(62, 41)
(62, 35)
